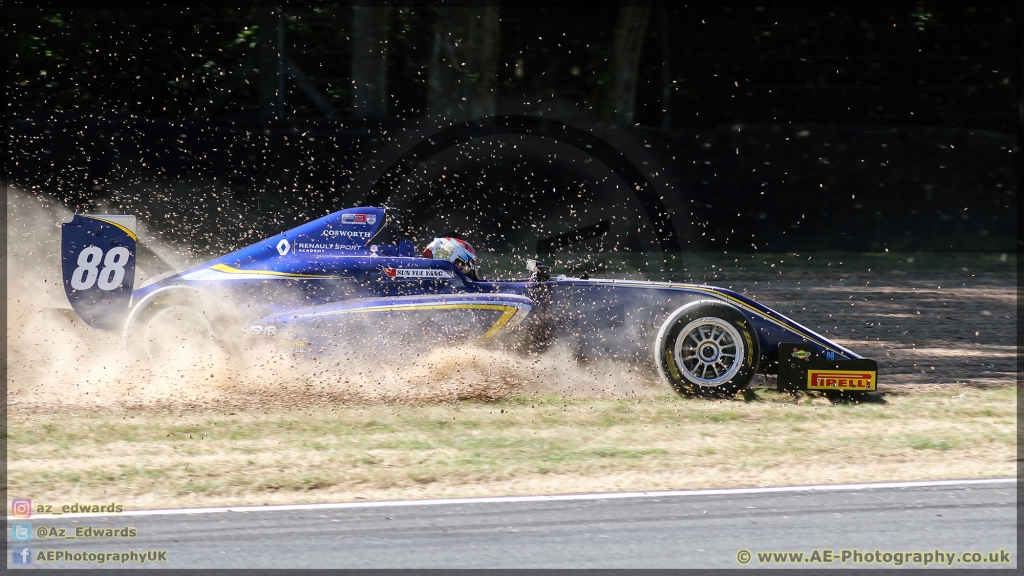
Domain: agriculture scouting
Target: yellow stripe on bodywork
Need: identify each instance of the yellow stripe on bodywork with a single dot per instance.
(270, 273)
(115, 224)
(509, 312)
(758, 312)
(736, 301)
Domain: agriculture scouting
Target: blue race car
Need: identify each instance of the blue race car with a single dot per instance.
(348, 283)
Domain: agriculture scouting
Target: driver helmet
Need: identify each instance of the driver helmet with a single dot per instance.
(454, 250)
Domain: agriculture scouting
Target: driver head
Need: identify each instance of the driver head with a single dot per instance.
(454, 250)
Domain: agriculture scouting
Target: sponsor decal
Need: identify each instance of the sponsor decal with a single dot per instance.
(323, 247)
(801, 354)
(358, 218)
(283, 247)
(345, 233)
(840, 380)
(416, 273)
(258, 330)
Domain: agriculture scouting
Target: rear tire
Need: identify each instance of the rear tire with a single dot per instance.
(178, 322)
(708, 349)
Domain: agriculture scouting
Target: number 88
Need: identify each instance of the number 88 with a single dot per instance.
(88, 271)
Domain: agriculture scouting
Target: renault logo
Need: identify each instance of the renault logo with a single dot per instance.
(283, 247)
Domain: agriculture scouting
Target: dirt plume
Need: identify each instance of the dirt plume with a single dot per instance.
(54, 359)
(924, 330)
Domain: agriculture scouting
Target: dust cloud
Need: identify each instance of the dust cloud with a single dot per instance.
(55, 360)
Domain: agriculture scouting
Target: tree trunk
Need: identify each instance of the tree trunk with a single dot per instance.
(463, 67)
(270, 63)
(269, 67)
(666, 69)
(369, 60)
(444, 83)
(484, 42)
(629, 40)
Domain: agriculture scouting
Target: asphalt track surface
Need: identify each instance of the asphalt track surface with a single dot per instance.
(694, 529)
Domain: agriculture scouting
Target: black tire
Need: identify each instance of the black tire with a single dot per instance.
(708, 349)
(176, 317)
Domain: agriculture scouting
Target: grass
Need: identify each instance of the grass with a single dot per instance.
(543, 444)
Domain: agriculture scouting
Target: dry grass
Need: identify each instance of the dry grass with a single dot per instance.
(527, 445)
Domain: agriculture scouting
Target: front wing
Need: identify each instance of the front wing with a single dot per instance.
(802, 368)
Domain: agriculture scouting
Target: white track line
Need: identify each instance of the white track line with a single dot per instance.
(551, 498)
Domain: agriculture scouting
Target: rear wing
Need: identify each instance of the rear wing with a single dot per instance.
(98, 264)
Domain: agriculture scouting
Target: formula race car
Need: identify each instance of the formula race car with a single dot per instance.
(348, 283)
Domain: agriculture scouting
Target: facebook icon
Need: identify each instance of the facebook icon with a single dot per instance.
(21, 555)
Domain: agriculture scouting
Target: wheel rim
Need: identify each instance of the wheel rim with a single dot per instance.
(708, 351)
(176, 328)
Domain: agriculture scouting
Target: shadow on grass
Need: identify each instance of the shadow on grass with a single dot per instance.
(796, 396)
(748, 395)
(853, 398)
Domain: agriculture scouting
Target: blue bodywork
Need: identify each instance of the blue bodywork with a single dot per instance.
(347, 280)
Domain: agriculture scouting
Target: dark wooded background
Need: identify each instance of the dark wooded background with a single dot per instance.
(858, 128)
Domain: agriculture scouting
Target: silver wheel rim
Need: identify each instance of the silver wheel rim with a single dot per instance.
(708, 351)
(193, 327)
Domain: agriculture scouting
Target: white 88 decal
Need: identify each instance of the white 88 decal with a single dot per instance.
(89, 272)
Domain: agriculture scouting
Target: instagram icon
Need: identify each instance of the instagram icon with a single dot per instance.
(21, 508)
